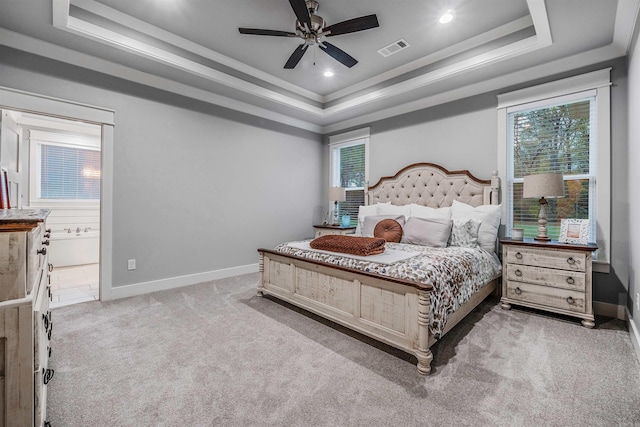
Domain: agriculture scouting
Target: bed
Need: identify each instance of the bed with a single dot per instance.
(408, 304)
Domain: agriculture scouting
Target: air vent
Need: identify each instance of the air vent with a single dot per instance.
(394, 47)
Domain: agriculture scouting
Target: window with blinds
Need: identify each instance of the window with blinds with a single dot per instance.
(348, 170)
(555, 137)
(69, 173)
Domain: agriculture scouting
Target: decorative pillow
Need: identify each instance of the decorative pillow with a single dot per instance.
(428, 232)
(465, 233)
(427, 212)
(364, 211)
(388, 229)
(389, 209)
(370, 222)
(488, 215)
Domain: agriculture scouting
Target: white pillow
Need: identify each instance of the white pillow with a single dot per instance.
(488, 215)
(364, 211)
(427, 232)
(429, 213)
(370, 222)
(389, 209)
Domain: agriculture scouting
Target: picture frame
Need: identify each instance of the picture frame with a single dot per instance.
(573, 230)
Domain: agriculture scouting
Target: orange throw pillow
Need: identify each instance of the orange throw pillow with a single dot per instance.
(389, 230)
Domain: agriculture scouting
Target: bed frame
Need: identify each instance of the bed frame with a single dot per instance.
(389, 310)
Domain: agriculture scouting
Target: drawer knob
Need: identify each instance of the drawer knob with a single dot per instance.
(43, 251)
(571, 261)
(518, 255)
(518, 291)
(570, 280)
(571, 300)
(47, 374)
(45, 242)
(47, 235)
(518, 273)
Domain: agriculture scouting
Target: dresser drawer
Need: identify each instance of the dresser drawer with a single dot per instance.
(546, 296)
(565, 260)
(36, 256)
(546, 276)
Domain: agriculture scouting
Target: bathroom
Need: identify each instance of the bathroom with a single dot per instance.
(60, 163)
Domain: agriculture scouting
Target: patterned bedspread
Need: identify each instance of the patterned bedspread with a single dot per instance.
(455, 273)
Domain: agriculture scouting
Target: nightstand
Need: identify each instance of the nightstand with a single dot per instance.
(548, 276)
(322, 230)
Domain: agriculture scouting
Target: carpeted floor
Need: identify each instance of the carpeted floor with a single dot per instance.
(214, 354)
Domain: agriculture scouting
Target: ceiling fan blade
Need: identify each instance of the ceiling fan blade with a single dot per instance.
(302, 13)
(259, 32)
(296, 56)
(352, 25)
(338, 54)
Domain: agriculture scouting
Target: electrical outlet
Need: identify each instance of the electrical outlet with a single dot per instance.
(638, 301)
(131, 264)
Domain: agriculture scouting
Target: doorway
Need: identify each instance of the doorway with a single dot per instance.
(54, 163)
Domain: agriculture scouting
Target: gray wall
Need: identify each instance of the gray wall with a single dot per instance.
(463, 135)
(196, 188)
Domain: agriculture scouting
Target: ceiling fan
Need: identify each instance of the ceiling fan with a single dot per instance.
(311, 28)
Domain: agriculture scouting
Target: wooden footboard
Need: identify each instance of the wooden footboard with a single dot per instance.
(392, 311)
(389, 310)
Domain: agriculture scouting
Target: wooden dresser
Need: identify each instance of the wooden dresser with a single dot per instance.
(25, 319)
(549, 276)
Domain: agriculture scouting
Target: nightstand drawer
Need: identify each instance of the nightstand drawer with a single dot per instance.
(547, 277)
(565, 260)
(546, 296)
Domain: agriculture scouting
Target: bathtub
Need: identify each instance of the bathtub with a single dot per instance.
(74, 248)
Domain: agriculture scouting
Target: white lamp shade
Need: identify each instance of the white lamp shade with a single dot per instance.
(337, 194)
(549, 185)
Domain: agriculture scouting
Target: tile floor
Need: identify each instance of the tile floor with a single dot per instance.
(71, 285)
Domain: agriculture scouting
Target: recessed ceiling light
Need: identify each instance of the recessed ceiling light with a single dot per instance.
(328, 73)
(447, 17)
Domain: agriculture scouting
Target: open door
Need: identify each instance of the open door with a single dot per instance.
(11, 156)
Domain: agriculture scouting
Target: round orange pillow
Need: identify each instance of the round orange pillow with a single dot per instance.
(389, 230)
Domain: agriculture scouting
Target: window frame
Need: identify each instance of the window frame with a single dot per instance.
(344, 140)
(596, 83)
(39, 138)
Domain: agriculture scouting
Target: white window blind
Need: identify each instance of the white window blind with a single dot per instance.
(69, 173)
(349, 170)
(558, 136)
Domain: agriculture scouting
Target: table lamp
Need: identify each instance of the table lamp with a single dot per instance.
(549, 185)
(337, 194)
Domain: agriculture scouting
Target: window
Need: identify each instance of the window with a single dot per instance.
(560, 127)
(349, 169)
(69, 173)
(64, 168)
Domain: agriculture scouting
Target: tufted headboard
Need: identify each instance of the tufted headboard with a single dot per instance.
(431, 185)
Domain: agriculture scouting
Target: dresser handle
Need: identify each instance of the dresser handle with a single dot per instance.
(47, 375)
(571, 300)
(45, 320)
(518, 291)
(45, 242)
(49, 351)
(571, 261)
(518, 255)
(518, 273)
(50, 267)
(570, 280)
(47, 235)
(42, 251)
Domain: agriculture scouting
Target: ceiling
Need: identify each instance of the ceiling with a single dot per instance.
(194, 48)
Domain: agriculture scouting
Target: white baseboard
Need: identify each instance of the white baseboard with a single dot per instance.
(610, 310)
(635, 334)
(180, 281)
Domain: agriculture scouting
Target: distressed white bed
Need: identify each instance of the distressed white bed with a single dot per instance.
(393, 310)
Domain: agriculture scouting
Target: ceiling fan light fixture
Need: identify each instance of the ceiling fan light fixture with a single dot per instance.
(447, 17)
